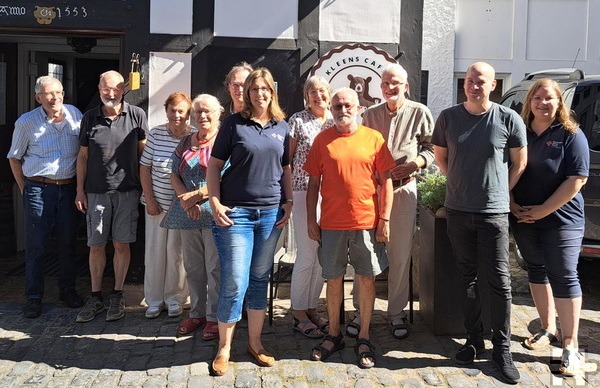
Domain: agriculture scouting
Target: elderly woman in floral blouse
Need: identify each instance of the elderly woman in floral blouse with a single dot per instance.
(307, 282)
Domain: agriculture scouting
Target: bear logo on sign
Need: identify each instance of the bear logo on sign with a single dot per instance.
(361, 87)
(44, 15)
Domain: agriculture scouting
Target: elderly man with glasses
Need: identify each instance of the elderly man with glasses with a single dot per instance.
(112, 139)
(42, 158)
(347, 163)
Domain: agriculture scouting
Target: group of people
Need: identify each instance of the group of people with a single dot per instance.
(218, 193)
(63, 161)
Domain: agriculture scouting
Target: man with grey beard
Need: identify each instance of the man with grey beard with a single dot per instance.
(111, 141)
(346, 164)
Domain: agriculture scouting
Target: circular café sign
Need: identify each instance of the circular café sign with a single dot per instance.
(356, 66)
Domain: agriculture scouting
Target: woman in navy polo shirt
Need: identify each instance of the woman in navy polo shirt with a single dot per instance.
(251, 204)
(547, 217)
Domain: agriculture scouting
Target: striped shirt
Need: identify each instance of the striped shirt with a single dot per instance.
(157, 154)
(47, 149)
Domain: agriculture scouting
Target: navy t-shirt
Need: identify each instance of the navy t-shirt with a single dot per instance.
(256, 155)
(552, 157)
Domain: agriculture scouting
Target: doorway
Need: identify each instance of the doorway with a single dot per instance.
(24, 58)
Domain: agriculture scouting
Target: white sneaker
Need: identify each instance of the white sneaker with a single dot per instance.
(175, 310)
(153, 312)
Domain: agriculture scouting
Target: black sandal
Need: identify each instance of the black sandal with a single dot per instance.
(310, 332)
(355, 326)
(400, 326)
(541, 339)
(320, 322)
(368, 354)
(338, 344)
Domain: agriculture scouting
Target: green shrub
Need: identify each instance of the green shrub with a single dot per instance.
(432, 191)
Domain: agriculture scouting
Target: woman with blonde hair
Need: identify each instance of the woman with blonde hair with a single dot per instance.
(251, 204)
(307, 281)
(548, 217)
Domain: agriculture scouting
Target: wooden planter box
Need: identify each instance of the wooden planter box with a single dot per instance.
(439, 294)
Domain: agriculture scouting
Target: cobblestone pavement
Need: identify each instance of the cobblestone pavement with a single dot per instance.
(54, 351)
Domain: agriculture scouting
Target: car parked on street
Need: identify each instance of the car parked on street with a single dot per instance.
(582, 93)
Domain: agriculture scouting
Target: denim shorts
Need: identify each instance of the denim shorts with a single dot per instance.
(246, 253)
(357, 247)
(115, 214)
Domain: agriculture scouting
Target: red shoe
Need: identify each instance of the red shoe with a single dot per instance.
(188, 325)
(211, 331)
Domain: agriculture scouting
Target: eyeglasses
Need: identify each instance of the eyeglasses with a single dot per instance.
(392, 84)
(340, 106)
(52, 94)
(261, 90)
(316, 92)
(235, 85)
(108, 90)
(205, 111)
(537, 100)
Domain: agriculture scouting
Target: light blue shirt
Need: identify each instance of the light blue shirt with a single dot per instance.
(47, 149)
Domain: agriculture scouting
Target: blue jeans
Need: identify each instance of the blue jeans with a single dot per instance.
(48, 205)
(480, 240)
(246, 250)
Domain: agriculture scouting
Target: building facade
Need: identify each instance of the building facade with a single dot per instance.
(517, 37)
(186, 45)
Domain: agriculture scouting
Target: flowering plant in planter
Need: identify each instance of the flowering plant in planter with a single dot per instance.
(432, 192)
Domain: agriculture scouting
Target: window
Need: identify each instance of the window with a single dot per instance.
(55, 70)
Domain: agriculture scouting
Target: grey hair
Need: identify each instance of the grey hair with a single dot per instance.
(44, 80)
(240, 66)
(111, 73)
(310, 83)
(210, 100)
(346, 90)
(395, 68)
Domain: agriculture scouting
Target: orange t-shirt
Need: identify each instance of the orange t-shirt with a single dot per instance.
(347, 164)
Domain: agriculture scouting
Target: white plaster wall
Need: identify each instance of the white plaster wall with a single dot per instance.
(272, 19)
(546, 35)
(373, 21)
(438, 52)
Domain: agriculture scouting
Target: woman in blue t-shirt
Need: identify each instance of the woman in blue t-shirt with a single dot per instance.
(251, 203)
(547, 217)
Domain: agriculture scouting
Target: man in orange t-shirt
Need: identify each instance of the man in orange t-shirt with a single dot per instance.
(347, 162)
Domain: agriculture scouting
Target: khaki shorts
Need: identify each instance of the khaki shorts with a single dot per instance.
(357, 247)
(112, 214)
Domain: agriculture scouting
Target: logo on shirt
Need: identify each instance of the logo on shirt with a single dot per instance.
(554, 144)
(278, 137)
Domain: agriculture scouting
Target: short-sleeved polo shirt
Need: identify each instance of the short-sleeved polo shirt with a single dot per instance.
(257, 156)
(113, 160)
(552, 157)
